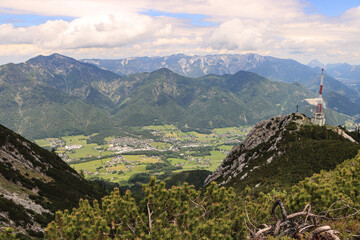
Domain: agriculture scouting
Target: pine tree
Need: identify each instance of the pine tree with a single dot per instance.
(176, 213)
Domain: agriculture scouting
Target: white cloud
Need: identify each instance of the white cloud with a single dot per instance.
(237, 34)
(113, 28)
(85, 32)
(178, 41)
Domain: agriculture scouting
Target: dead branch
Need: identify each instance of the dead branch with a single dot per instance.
(149, 215)
(319, 230)
(295, 224)
(277, 228)
(251, 231)
(261, 231)
(199, 205)
(247, 216)
(131, 228)
(283, 211)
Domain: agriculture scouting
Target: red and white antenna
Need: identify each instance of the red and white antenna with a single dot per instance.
(319, 117)
(321, 83)
(319, 105)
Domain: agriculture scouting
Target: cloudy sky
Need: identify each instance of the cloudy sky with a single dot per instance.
(327, 30)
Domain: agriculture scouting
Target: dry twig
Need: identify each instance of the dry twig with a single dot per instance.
(294, 225)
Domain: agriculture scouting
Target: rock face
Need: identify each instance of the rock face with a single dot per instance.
(34, 183)
(265, 131)
(282, 151)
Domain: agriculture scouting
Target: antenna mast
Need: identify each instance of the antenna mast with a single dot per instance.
(319, 117)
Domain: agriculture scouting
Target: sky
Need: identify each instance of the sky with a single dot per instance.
(327, 30)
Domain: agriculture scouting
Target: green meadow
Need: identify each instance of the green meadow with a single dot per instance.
(182, 150)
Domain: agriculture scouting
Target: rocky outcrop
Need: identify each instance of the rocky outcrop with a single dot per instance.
(281, 151)
(267, 131)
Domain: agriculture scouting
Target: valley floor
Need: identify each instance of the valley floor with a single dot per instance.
(166, 150)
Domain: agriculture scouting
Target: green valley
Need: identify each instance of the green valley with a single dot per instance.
(164, 150)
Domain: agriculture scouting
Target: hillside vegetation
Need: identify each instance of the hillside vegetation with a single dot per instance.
(215, 213)
(34, 183)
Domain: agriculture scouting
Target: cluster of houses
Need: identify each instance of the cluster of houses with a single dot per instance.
(72, 147)
(55, 142)
(129, 144)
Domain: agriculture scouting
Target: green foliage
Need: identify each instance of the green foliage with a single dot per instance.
(139, 178)
(163, 166)
(201, 152)
(342, 185)
(8, 234)
(194, 177)
(325, 191)
(176, 213)
(277, 238)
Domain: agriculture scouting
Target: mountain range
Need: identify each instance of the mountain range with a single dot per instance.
(344, 72)
(276, 69)
(56, 95)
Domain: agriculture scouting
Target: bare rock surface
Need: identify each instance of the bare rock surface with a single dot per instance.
(267, 131)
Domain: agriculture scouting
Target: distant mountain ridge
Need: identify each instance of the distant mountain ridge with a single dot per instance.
(276, 69)
(345, 73)
(210, 101)
(56, 95)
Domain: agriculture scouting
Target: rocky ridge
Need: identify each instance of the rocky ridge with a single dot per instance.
(284, 148)
(264, 131)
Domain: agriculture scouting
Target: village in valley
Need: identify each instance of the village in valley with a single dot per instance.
(170, 149)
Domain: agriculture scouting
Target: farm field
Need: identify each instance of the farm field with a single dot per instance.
(170, 150)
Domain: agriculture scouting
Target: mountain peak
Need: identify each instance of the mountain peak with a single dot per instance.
(315, 63)
(163, 71)
(53, 58)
